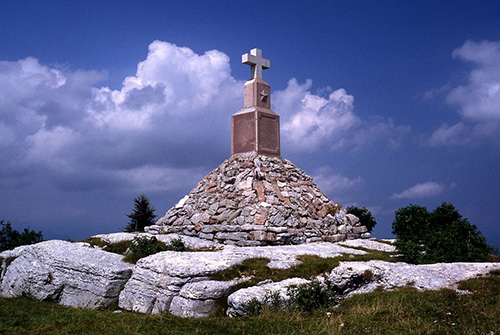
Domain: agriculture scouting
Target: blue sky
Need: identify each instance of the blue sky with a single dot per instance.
(383, 103)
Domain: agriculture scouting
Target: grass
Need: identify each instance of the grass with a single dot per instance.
(310, 266)
(405, 311)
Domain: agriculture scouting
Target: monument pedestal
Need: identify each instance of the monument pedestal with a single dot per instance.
(256, 128)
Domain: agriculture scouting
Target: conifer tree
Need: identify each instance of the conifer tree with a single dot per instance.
(11, 238)
(142, 215)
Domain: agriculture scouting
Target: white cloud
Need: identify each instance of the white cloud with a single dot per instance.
(478, 100)
(162, 130)
(310, 121)
(175, 112)
(317, 120)
(331, 182)
(422, 190)
(457, 134)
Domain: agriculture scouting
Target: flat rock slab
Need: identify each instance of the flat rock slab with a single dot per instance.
(72, 274)
(369, 244)
(388, 276)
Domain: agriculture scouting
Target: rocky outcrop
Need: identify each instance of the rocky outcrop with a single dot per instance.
(71, 274)
(179, 283)
(252, 200)
(364, 277)
(201, 299)
(165, 282)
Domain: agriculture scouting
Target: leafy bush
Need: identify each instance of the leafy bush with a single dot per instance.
(177, 245)
(311, 296)
(272, 302)
(11, 238)
(306, 297)
(144, 246)
(142, 215)
(364, 215)
(442, 235)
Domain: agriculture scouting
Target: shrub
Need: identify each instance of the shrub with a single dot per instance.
(144, 246)
(272, 302)
(11, 238)
(177, 245)
(442, 235)
(142, 215)
(311, 296)
(364, 215)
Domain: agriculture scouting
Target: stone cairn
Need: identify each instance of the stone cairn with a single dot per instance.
(256, 197)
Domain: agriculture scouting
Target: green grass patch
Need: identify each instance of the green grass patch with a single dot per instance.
(95, 242)
(117, 248)
(405, 311)
(310, 266)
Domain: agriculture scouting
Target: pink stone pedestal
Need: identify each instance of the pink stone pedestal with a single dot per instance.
(256, 128)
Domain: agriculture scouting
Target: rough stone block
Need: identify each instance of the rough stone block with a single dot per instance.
(359, 229)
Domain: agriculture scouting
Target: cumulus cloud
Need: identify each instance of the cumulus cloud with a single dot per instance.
(311, 121)
(174, 112)
(456, 134)
(478, 100)
(160, 132)
(422, 190)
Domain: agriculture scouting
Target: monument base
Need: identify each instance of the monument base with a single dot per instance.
(255, 130)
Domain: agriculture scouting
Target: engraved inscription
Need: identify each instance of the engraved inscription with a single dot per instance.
(268, 133)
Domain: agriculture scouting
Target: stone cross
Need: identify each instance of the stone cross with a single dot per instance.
(257, 63)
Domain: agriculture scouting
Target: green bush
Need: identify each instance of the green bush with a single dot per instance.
(11, 238)
(144, 246)
(311, 296)
(364, 215)
(442, 235)
(177, 245)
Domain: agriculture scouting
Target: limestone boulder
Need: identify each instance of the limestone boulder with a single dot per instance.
(72, 274)
(159, 278)
(201, 299)
(364, 277)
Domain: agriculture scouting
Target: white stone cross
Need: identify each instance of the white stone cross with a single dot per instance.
(257, 63)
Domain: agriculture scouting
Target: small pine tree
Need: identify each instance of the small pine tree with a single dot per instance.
(142, 215)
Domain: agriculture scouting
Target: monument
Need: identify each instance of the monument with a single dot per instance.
(256, 197)
(256, 128)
